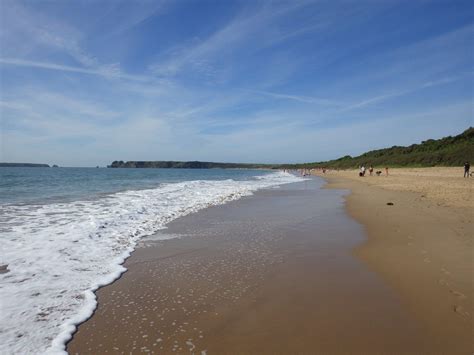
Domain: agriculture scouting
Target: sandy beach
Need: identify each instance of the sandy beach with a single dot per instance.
(276, 273)
(422, 244)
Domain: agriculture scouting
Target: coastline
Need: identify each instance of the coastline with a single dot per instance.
(421, 245)
(269, 273)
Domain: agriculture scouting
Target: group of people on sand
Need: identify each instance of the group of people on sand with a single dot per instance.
(363, 170)
(306, 172)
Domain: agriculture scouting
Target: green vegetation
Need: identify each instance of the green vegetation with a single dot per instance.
(448, 151)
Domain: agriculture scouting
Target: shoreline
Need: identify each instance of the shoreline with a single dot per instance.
(421, 246)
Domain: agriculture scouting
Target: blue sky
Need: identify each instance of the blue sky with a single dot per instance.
(84, 83)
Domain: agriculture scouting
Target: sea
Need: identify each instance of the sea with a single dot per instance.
(65, 232)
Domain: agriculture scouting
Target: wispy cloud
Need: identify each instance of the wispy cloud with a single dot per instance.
(26, 31)
(299, 98)
(246, 29)
(131, 14)
(374, 100)
(42, 33)
(381, 98)
(106, 71)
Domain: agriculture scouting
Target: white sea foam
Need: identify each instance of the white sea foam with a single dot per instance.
(59, 254)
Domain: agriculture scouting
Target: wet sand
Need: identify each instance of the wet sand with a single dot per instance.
(270, 273)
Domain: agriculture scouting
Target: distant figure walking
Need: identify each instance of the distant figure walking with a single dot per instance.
(386, 171)
(467, 167)
(371, 170)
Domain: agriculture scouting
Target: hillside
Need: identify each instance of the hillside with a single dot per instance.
(447, 151)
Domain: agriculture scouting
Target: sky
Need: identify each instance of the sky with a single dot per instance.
(86, 82)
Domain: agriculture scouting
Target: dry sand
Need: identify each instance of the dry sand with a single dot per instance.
(268, 274)
(442, 186)
(422, 244)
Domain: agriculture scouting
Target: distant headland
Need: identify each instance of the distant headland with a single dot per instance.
(23, 165)
(186, 165)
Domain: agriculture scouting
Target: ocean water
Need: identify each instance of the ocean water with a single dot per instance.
(66, 231)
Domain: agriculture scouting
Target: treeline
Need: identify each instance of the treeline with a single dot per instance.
(447, 151)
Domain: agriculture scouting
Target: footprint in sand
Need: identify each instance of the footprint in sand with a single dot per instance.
(444, 271)
(461, 311)
(426, 260)
(443, 282)
(458, 294)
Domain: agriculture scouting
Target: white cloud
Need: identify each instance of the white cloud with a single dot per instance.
(384, 97)
(106, 71)
(299, 98)
(249, 29)
(25, 33)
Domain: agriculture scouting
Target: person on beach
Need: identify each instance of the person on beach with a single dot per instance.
(386, 171)
(371, 170)
(467, 167)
